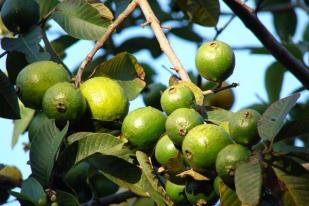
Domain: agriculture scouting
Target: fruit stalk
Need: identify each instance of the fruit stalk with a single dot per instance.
(249, 18)
(216, 90)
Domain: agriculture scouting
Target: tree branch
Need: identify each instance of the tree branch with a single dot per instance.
(164, 44)
(248, 17)
(130, 8)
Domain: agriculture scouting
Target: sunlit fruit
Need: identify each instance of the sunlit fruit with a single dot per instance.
(105, 98)
(33, 81)
(243, 126)
(180, 122)
(202, 144)
(165, 150)
(64, 102)
(143, 127)
(215, 61)
(177, 96)
(176, 192)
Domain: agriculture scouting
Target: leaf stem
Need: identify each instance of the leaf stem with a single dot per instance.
(3, 54)
(220, 89)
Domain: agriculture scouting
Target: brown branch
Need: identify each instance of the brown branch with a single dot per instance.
(130, 8)
(154, 23)
(152, 20)
(283, 56)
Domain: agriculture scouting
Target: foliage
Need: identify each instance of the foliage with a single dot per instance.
(65, 156)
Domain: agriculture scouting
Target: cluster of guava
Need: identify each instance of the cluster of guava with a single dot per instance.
(181, 140)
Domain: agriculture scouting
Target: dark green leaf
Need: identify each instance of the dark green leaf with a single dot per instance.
(248, 182)
(62, 43)
(23, 199)
(44, 147)
(205, 13)
(296, 187)
(27, 43)
(306, 33)
(104, 143)
(46, 6)
(20, 125)
(140, 43)
(67, 199)
(15, 62)
(273, 81)
(120, 172)
(8, 99)
(129, 73)
(272, 119)
(285, 24)
(228, 196)
(33, 189)
(259, 50)
(187, 33)
(80, 20)
(294, 128)
(148, 171)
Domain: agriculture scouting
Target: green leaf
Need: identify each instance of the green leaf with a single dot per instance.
(67, 199)
(285, 24)
(148, 171)
(15, 62)
(80, 20)
(120, 172)
(46, 6)
(187, 33)
(20, 125)
(8, 99)
(103, 10)
(228, 196)
(218, 115)
(23, 199)
(27, 43)
(274, 80)
(296, 187)
(104, 143)
(44, 147)
(205, 13)
(33, 189)
(62, 43)
(306, 33)
(294, 128)
(272, 119)
(129, 73)
(248, 182)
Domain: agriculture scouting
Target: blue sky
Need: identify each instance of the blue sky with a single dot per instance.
(249, 72)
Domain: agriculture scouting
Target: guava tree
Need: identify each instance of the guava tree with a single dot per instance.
(186, 147)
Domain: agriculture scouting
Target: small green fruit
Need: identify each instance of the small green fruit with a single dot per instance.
(202, 144)
(63, 102)
(165, 150)
(19, 15)
(42, 201)
(243, 127)
(152, 95)
(177, 96)
(143, 127)
(180, 122)
(176, 192)
(227, 160)
(215, 61)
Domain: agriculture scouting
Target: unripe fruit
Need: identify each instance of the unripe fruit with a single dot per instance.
(243, 127)
(180, 122)
(63, 102)
(11, 175)
(165, 150)
(177, 96)
(152, 95)
(215, 61)
(202, 144)
(53, 198)
(227, 160)
(176, 192)
(42, 201)
(33, 81)
(54, 204)
(19, 15)
(143, 127)
(105, 98)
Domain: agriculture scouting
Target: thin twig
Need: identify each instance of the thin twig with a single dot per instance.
(3, 54)
(164, 43)
(220, 89)
(45, 18)
(130, 8)
(219, 31)
(283, 56)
